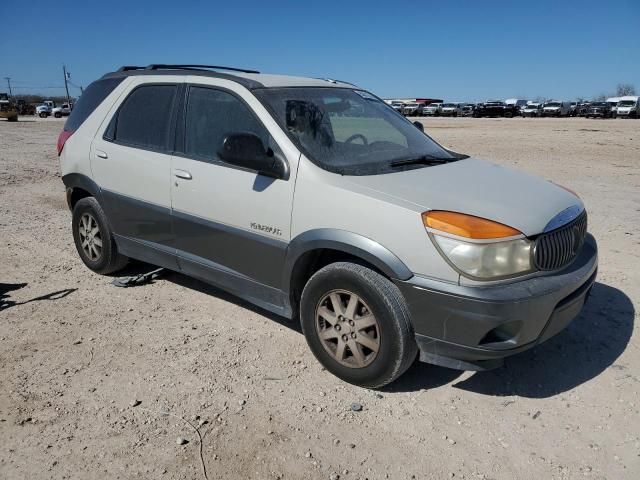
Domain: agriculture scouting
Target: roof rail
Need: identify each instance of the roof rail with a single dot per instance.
(164, 66)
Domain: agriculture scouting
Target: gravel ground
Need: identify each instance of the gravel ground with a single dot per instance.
(163, 380)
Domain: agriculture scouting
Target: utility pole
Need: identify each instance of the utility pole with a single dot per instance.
(8, 79)
(66, 87)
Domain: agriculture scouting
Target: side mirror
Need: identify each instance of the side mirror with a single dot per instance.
(419, 126)
(246, 150)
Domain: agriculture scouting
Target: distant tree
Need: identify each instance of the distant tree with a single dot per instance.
(600, 98)
(624, 89)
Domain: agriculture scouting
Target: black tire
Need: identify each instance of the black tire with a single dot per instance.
(109, 260)
(397, 348)
(57, 115)
(43, 115)
(12, 119)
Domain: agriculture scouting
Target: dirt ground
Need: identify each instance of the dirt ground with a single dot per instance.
(99, 382)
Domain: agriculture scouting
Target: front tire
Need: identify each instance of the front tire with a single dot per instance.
(357, 324)
(93, 238)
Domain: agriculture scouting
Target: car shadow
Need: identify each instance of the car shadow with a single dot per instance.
(208, 289)
(6, 302)
(588, 346)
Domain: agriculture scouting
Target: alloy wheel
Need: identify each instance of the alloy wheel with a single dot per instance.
(90, 237)
(348, 329)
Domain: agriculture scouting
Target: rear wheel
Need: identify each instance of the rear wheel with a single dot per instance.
(57, 115)
(357, 324)
(94, 239)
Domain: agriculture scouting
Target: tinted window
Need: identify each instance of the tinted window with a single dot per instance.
(89, 100)
(213, 114)
(144, 117)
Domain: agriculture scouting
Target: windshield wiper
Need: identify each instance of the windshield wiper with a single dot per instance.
(422, 160)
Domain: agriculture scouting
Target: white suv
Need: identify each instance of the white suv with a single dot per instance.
(316, 200)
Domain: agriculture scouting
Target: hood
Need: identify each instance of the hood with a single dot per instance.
(480, 188)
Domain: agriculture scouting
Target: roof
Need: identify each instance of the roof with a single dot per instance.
(251, 79)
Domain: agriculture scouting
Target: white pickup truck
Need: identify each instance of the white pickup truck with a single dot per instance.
(63, 111)
(46, 109)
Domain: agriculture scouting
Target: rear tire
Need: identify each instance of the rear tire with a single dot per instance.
(93, 238)
(57, 115)
(379, 318)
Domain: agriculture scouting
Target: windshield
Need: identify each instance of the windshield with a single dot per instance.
(350, 132)
(552, 104)
(599, 104)
(626, 103)
(449, 105)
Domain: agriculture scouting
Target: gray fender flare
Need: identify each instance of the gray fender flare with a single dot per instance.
(77, 180)
(347, 242)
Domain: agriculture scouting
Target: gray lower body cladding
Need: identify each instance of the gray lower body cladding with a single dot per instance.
(474, 328)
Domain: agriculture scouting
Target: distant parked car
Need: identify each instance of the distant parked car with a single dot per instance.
(613, 104)
(432, 110)
(531, 110)
(467, 110)
(451, 109)
(411, 109)
(63, 111)
(573, 109)
(397, 106)
(495, 108)
(518, 103)
(556, 108)
(583, 108)
(628, 107)
(599, 110)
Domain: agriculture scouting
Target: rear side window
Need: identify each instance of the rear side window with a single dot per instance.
(213, 114)
(89, 100)
(144, 118)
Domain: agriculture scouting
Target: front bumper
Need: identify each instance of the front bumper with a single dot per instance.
(475, 328)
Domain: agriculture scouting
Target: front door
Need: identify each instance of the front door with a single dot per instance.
(232, 225)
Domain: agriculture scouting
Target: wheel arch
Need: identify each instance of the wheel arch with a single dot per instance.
(312, 250)
(80, 186)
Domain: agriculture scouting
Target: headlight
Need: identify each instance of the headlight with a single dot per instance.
(486, 260)
(479, 248)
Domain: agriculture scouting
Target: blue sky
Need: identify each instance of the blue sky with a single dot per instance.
(456, 50)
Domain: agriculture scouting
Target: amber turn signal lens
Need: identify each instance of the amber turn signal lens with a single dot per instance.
(466, 225)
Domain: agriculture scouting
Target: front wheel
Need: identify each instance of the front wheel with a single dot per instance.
(357, 324)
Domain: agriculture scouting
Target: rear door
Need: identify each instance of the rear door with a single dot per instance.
(232, 225)
(131, 161)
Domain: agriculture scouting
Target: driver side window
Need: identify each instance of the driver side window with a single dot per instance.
(354, 121)
(211, 115)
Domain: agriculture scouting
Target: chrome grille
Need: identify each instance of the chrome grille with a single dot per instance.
(558, 248)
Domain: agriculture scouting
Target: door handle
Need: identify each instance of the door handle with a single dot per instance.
(101, 154)
(182, 174)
